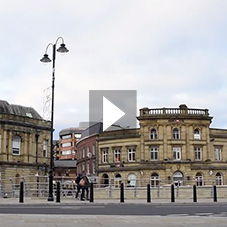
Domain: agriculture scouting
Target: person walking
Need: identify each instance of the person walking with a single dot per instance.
(78, 186)
(84, 182)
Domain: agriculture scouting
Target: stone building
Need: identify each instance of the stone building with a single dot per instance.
(24, 143)
(171, 145)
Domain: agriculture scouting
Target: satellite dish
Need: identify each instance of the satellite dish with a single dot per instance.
(89, 154)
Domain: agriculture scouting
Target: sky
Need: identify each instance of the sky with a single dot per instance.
(171, 51)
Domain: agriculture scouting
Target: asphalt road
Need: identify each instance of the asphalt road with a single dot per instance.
(118, 209)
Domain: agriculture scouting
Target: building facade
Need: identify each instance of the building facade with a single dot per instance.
(171, 145)
(67, 143)
(87, 147)
(24, 143)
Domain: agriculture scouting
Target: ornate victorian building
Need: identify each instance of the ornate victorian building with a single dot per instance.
(24, 142)
(171, 145)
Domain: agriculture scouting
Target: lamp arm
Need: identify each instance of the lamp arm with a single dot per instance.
(58, 39)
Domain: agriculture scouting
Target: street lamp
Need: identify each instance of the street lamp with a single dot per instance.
(46, 59)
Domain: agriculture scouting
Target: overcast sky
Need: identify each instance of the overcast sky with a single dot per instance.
(170, 51)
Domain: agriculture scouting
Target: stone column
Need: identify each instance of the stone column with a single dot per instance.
(9, 151)
(165, 150)
(208, 142)
(187, 143)
(142, 142)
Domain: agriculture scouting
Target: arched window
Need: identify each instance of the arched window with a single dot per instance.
(117, 180)
(153, 134)
(131, 180)
(176, 134)
(199, 179)
(197, 134)
(219, 179)
(155, 180)
(16, 145)
(178, 178)
(105, 180)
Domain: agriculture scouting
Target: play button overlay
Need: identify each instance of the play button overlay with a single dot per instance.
(111, 113)
(114, 109)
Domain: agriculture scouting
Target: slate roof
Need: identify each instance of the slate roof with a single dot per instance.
(71, 130)
(6, 108)
(92, 130)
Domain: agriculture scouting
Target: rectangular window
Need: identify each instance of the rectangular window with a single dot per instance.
(93, 149)
(131, 154)
(154, 153)
(93, 167)
(105, 156)
(198, 153)
(218, 153)
(88, 168)
(117, 155)
(68, 144)
(83, 153)
(66, 137)
(176, 153)
(83, 166)
(45, 148)
(67, 152)
(77, 136)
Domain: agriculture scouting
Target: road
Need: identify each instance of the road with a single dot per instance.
(217, 209)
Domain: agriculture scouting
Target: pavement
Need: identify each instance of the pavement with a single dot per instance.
(38, 220)
(73, 201)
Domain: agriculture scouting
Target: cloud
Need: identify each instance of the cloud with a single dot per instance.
(171, 52)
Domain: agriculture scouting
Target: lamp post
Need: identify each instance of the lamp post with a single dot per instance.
(46, 59)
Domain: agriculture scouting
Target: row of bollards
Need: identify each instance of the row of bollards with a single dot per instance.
(58, 193)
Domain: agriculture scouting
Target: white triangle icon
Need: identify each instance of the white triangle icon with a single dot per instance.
(111, 113)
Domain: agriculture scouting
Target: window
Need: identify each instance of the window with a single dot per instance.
(77, 136)
(88, 150)
(83, 166)
(104, 156)
(117, 155)
(198, 153)
(153, 134)
(83, 153)
(16, 145)
(154, 180)
(68, 144)
(93, 167)
(176, 134)
(197, 134)
(176, 153)
(66, 137)
(131, 154)
(45, 148)
(93, 149)
(67, 152)
(178, 178)
(88, 168)
(131, 180)
(199, 179)
(117, 180)
(218, 153)
(154, 153)
(0, 143)
(219, 179)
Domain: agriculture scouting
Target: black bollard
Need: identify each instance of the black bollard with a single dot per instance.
(148, 193)
(215, 193)
(172, 193)
(122, 193)
(91, 193)
(194, 194)
(58, 192)
(21, 200)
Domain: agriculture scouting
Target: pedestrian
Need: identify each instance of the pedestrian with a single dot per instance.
(84, 182)
(78, 186)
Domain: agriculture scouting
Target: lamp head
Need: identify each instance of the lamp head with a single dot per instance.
(45, 58)
(62, 49)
